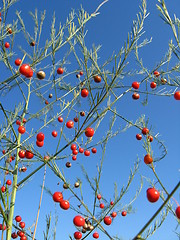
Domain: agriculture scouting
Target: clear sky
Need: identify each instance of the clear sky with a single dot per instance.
(110, 29)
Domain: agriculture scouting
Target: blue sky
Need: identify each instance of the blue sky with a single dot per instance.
(110, 29)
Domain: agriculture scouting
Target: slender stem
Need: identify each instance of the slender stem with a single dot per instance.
(39, 204)
(157, 212)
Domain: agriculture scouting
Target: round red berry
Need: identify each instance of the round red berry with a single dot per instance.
(84, 93)
(152, 195)
(8, 182)
(153, 85)
(113, 214)
(70, 124)
(60, 119)
(18, 62)
(99, 196)
(89, 132)
(94, 150)
(79, 221)
(145, 131)
(97, 79)
(60, 71)
(22, 154)
(77, 235)
(39, 144)
(54, 133)
(135, 85)
(156, 73)
(40, 137)
(22, 224)
(177, 95)
(29, 154)
(64, 204)
(7, 45)
(107, 220)
(57, 197)
(81, 150)
(96, 235)
(178, 212)
(135, 96)
(101, 205)
(138, 136)
(124, 213)
(21, 129)
(87, 153)
(18, 218)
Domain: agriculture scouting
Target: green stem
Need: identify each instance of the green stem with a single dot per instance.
(15, 173)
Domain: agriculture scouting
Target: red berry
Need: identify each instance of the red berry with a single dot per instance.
(60, 71)
(135, 85)
(153, 85)
(150, 138)
(30, 73)
(81, 73)
(84, 93)
(94, 150)
(3, 189)
(39, 144)
(70, 124)
(76, 119)
(57, 197)
(97, 79)
(46, 102)
(135, 96)
(21, 129)
(113, 214)
(156, 73)
(107, 220)
(3, 151)
(74, 158)
(24, 69)
(8, 182)
(18, 62)
(22, 154)
(101, 205)
(89, 132)
(20, 234)
(23, 238)
(2, 227)
(177, 95)
(73, 146)
(145, 131)
(18, 218)
(40, 137)
(81, 150)
(14, 235)
(75, 152)
(112, 203)
(54, 133)
(138, 136)
(178, 212)
(152, 195)
(22, 224)
(77, 235)
(99, 196)
(124, 213)
(64, 204)
(7, 45)
(96, 235)
(29, 154)
(60, 119)
(148, 159)
(87, 153)
(78, 221)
